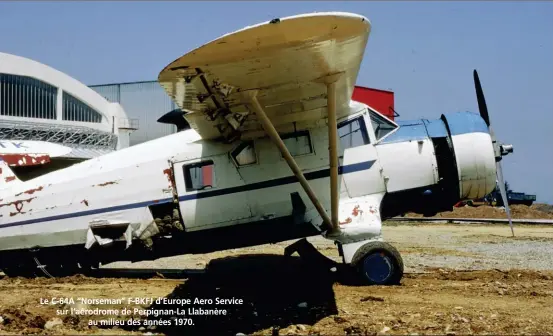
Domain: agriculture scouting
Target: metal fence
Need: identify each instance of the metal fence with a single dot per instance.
(145, 101)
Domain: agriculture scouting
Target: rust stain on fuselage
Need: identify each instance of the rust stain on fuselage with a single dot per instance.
(16, 213)
(30, 191)
(106, 183)
(170, 177)
(356, 211)
(85, 202)
(169, 173)
(347, 221)
(9, 178)
(20, 160)
(18, 204)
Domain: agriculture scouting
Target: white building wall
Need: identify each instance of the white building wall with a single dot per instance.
(145, 102)
(20, 66)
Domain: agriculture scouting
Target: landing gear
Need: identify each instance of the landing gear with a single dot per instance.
(373, 262)
(379, 263)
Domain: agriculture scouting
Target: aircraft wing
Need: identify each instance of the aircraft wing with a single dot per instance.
(283, 59)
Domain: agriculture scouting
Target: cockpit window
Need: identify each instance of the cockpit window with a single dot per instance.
(381, 125)
(353, 133)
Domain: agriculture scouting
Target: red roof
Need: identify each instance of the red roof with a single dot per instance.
(380, 100)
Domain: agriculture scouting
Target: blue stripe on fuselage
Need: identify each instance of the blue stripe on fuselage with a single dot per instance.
(352, 168)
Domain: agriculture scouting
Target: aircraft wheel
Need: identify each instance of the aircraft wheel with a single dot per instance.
(379, 263)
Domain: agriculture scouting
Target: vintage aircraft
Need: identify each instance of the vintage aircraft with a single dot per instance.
(273, 149)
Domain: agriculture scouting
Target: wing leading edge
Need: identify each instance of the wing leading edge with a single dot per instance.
(283, 60)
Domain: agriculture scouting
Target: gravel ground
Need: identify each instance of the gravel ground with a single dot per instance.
(455, 246)
(461, 279)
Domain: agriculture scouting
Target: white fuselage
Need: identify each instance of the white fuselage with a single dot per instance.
(248, 186)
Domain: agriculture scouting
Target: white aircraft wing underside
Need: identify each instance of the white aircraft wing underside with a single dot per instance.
(284, 60)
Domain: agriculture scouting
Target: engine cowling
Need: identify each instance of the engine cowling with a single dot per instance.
(474, 154)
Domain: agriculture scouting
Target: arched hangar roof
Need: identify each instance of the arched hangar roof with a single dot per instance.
(24, 81)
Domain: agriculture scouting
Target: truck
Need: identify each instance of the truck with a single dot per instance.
(494, 198)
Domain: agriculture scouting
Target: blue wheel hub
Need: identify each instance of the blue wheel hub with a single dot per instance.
(378, 267)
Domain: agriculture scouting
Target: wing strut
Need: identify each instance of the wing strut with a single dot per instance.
(330, 82)
(277, 140)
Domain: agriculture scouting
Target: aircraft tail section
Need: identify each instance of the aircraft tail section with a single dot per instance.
(7, 177)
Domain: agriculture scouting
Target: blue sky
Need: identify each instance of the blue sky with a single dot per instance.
(424, 51)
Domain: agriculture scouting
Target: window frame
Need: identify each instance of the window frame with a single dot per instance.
(188, 178)
(295, 135)
(362, 127)
(373, 124)
(241, 146)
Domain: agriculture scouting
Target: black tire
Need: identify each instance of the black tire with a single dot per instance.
(379, 255)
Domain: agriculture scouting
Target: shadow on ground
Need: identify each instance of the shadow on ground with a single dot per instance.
(277, 291)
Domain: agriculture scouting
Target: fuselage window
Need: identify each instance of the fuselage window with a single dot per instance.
(353, 133)
(199, 176)
(244, 154)
(298, 143)
(381, 125)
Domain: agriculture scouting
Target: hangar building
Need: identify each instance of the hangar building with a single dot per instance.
(40, 103)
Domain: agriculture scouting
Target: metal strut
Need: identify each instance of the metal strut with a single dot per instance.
(330, 82)
(277, 140)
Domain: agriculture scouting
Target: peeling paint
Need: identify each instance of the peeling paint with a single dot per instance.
(85, 202)
(105, 184)
(9, 178)
(18, 204)
(347, 221)
(30, 191)
(169, 173)
(19, 160)
(356, 211)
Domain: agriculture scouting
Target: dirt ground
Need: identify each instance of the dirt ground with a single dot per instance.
(518, 211)
(460, 279)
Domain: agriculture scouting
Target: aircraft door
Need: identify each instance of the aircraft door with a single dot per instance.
(209, 192)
